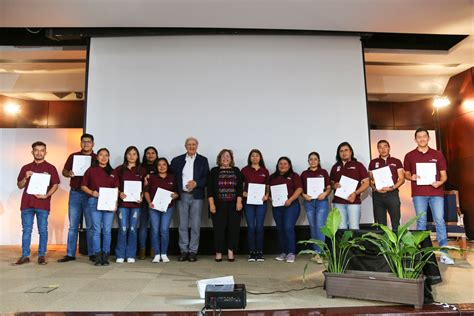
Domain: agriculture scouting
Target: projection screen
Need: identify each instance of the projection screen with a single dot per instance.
(285, 95)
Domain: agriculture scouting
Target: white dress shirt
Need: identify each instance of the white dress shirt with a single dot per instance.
(188, 171)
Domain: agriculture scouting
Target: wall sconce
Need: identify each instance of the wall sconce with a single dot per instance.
(12, 109)
(441, 101)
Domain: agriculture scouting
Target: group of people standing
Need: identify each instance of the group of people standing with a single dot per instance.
(188, 176)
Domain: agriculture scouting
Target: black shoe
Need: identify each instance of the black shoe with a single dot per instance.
(92, 258)
(260, 257)
(98, 259)
(67, 259)
(192, 257)
(218, 260)
(105, 259)
(183, 257)
(252, 257)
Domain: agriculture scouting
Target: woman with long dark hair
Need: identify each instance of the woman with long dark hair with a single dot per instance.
(347, 165)
(317, 206)
(255, 172)
(149, 163)
(286, 216)
(100, 175)
(160, 220)
(224, 189)
(128, 210)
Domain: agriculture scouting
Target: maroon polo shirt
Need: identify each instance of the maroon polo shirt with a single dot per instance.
(251, 175)
(155, 182)
(29, 200)
(75, 182)
(96, 177)
(431, 155)
(393, 163)
(125, 174)
(292, 182)
(318, 173)
(352, 169)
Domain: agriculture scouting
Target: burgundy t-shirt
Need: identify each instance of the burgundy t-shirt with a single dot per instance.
(318, 173)
(292, 182)
(251, 175)
(29, 200)
(125, 174)
(393, 163)
(431, 155)
(96, 177)
(352, 169)
(155, 182)
(75, 182)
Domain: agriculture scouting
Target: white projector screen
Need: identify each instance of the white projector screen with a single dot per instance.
(285, 95)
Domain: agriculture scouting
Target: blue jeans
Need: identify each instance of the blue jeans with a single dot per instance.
(255, 216)
(350, 214)
(101, 223)
(127, 233)
(143, 229)
(27, 219)
(285, 220)
(317, 213)
(77, 209)
(160, 230)
(437, 209)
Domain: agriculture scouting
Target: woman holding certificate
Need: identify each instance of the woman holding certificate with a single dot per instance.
(285, 187)
(101, 185)
(224, 189)
(349, 179)
(131, 176)
(160, 194)
(150, 160)
(255, 177)
(316, 188)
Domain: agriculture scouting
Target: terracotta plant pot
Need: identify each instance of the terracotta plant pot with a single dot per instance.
(376, 286)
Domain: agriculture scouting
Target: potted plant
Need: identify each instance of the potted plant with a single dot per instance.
(404, 255)
(337, 256)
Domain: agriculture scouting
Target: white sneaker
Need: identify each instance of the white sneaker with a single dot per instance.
(165, 258)
(157, 259)
(119, 260)
(290, 258)
(281, 257)
(446, 260)
(131, 260)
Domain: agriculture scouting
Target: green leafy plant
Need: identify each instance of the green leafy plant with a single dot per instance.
(402, 249)
(337, 256)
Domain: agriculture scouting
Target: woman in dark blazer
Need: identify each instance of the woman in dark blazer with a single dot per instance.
(225, 189)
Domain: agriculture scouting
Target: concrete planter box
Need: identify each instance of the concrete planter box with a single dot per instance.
(376, 286)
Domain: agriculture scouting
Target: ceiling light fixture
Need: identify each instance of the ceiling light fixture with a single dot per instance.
(12, 108)
(441, 101)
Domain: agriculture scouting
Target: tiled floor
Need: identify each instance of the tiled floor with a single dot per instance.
(145, 286)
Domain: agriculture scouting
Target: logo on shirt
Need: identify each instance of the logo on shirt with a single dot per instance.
(352, 168)
(377, 165)
(170, 183)
(288, 178)
(338, 168)
(112, 176)
(434, 160)
(393, 165)
(262, 175)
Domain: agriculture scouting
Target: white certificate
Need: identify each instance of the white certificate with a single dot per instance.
(133, 190)
(107, 199)
(39, 183)
(279, 194)
(382, 177)
(162, 199)
(314, 187)
(426, 173)
(80, 164)
(348, 186)
(255, 194)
